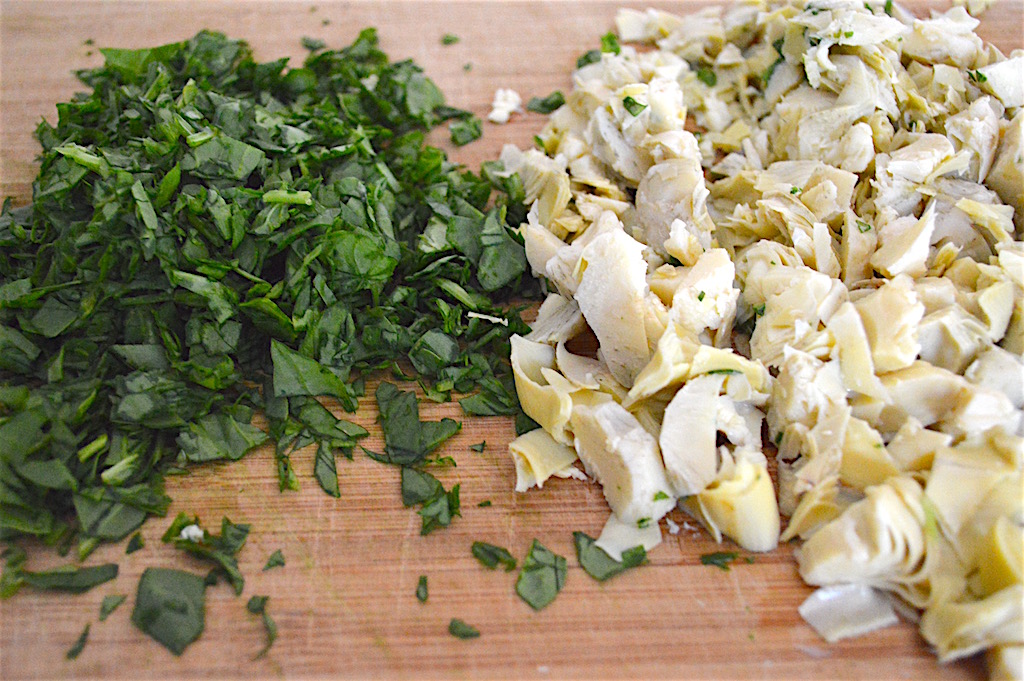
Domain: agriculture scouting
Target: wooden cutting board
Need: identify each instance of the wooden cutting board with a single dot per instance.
(345, 603)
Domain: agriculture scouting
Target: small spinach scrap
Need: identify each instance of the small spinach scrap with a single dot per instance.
(211, 236)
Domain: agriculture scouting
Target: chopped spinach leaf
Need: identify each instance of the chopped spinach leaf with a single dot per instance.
(257, 605)
(634, 107)
(221, 550)
(70, 578)
(440, 512)
(276, 560)
(421, 589)
(545, 105)
(449, 39)
(79, 645)
(479, 447)
(598, 564)
(465, 131)
(110, 604)
(719, 559)
(170, 606)
(460, 629)
(491, 556)
(542, 576)
(707, 76)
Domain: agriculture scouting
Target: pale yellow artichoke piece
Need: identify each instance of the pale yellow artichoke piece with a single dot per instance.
(904, 245)
(1001, 556)
(611, 295)
(890, 316)
(1006, 176)
(688, 435)
(921, 390)
(818, 506)
(959, 629)
(878, 540)
(741, 506)
(1005, 662)
(547, 405)
(537, 457)
(558, 319)
(624, 458)
(951, 338)
(854, 352)
(913, 447)
(865, 460)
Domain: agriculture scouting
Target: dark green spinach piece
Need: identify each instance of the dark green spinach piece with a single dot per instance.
(491, 556)
(598, 564)
(257, 605)
(542, 577)
(79, 645)
(110, 604)
(221, 550)
(460, 629)
(170, 606)
(276, 560)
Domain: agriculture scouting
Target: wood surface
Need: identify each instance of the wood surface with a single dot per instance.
(345, 603)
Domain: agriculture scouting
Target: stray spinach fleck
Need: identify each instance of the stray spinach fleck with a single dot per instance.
(460, 629)
(491, 556)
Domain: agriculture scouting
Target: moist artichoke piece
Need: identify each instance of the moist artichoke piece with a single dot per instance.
(944, 38)
(844, 611)
(617, 537)
(890, 316)
(588, 373)
(741, 505)
(706, 298)
(992, 539)
(670, 365)
(878, 541)
(913, 447)
(865, 460)
(623, 457)
(815, 508)
(951, 338)
(856, 246)
(904, 245)
(976, 129)
(537, 457)
(611, 296)
(545, 180)
(804, 390)
(959, 629)
(995, 221)
(540, 244)
(682, 244)
(853, 351)
(922, 391)
(976, 410)
(1006, 176)
(665, 280)
(998, 369)
(1003, 79)
(548, 405)
(669, 191)
(1005, 662)
(558, 319)
(793, 315)
(688, 435)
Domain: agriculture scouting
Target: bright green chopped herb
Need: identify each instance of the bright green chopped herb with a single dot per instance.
(547, 104)
(632, 106)
(863, 226)
(700, 296)
(795, 190)
(977, 76)
(479, 446)
(110, 604)
(888, 7)
(170, 606)
(491, 556)
(538, 142)
(79, 645)
(221, 550)
(727, 372)
(598, 564)
(542, 577)
(467, 66)
(257, 605)
(661, 496)
(759, 310)
(706, 75)
(485, 503)
(460, 629)
(610, 43)
(720, 559)
(421, 589)
(276, 560)
(449, 39)
(778, 438)
(465, 130)
(643, 523)
(848, 34)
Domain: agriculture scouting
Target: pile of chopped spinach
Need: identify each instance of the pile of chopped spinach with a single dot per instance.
(210, 236)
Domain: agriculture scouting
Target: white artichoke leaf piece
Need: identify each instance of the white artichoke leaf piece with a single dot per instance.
(617, 536)
(624, 458)
(547, 404)
(844, 611)
(611, 295)
(688, 435)
(741, 505)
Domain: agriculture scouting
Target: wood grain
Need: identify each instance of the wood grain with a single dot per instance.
(345, 601)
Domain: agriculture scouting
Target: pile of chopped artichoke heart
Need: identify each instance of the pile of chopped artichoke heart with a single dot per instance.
(807, 218)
